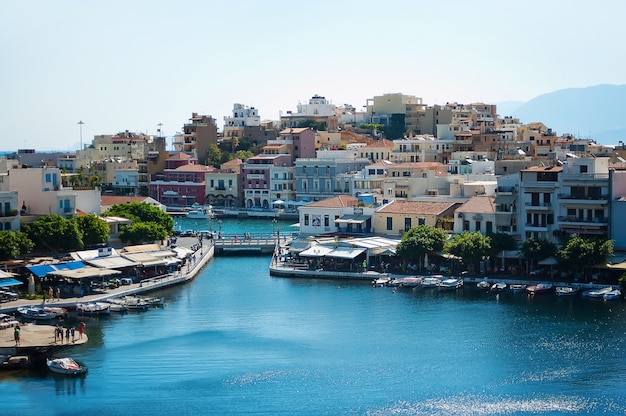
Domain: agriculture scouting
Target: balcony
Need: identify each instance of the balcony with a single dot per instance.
(584, 176)
(576, 221)
(536, 227)
(506, 190)
(541, 206)
(568, 199)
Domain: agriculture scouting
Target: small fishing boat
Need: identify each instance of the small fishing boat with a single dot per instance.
(36, 313)
(539, 288)
(565, 291)
(432, 281)
(498, 287)
(205, 212)
(450, 284)
(65, 365)
(597, 293)
(93, 308)
(483, 284)
(409, 281)
(381, 281)
(517, 287)
(612, 295)
(57, 311)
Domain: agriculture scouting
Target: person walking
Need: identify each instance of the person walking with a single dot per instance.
(16, 334)
(58, 294)
(67, 335)
(72, 329)
(50, 294)
(81, 329)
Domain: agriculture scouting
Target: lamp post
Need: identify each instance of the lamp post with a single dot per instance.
(80, 126)
(273, 226)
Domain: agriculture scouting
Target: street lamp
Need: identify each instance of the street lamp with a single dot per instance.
(273, 226)
(80, 124)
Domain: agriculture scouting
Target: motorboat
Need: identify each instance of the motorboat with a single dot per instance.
(450, 284)
(597, 293)
(483, 284)
(65, 365)
(93, 308)
(118, 307)
(205, 212)
(36, 313)
(539, 288)
(381, 281)
(7, 321)
(612, 295)
(409, 281)
(565, 290)
(56, 310)
(517, 287)
(498, 287)
(432, 281)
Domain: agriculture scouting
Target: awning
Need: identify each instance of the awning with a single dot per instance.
(113, 262)
(504, 199)
(351, 219)
(41, 270)
(9, 282)
(345, 253)
(85, 272)
(316, 251)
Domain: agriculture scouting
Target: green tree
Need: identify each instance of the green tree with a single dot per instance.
(214, 155)
(470, 246)
(14, 244)
(420, 240)
(535, 250)
(142, 212)
(55, 233)
(142, 232)
(501, 242)
(580, 252)
(243, 154)
(373, 128)
(94, 230)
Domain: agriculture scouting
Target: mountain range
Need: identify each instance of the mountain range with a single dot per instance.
(595, 112)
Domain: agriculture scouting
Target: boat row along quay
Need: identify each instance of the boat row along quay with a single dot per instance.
(37, 341)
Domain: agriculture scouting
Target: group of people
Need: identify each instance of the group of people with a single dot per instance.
(51, 294)
(69, 332)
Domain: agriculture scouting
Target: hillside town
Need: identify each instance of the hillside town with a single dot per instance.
(395, 165)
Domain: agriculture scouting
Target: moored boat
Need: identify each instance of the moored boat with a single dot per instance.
(450, 284)
(539, 288)
(93, 308)
(483, 284)
(431, 281)
(57, 311)
(381, 281)
(409, 281)
(65, 365)
(201, 213)
(36, 313)
(612, 295)
(517, 287)
(597, 293)
(565, 290)
(498, 287)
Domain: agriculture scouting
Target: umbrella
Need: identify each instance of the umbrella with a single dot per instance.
(278, 202)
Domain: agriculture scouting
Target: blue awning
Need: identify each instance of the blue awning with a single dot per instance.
(9, 282)
(41, 270)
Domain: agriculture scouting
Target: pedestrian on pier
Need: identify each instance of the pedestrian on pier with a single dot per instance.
(50, 294)
(67, 335)
(56, 333)
(81, 329)
(16, 334)
(72, 329)
(58, 294)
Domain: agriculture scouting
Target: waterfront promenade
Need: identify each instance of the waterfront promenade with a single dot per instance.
(187, 273)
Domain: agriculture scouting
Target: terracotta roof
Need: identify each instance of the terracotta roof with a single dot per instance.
(417, 207)
(479, 205)
(339, 201)
(294, 130)
(195, 168)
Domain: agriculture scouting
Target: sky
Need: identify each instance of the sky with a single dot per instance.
(135, 64)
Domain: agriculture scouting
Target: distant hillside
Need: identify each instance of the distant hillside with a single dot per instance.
(596, 112)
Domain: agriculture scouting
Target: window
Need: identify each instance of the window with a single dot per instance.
(407, 224)
(489, 227)
(326, 221)
(477, 226)
(421, 221)
(583, 168)
(465, 225)
(389, 223)
(306, 219)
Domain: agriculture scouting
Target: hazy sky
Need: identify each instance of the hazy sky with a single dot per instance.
(130, 65)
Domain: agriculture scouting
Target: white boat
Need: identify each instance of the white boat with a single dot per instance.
(450, 284)
(409, 281)
(118, 307)
(380, 282)
(36, 313)
(517, 287)
(93, 308)
(134, 303)
(498, 287)
(205, 212)
(565, 291)
(57, 311)
(612, 295)
(432, 281)
(65, 366)
(483, 284)
(597, 293)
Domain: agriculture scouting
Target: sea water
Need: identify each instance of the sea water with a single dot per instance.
(237, 341)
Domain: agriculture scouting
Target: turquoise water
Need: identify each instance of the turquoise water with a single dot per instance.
(237, 341)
